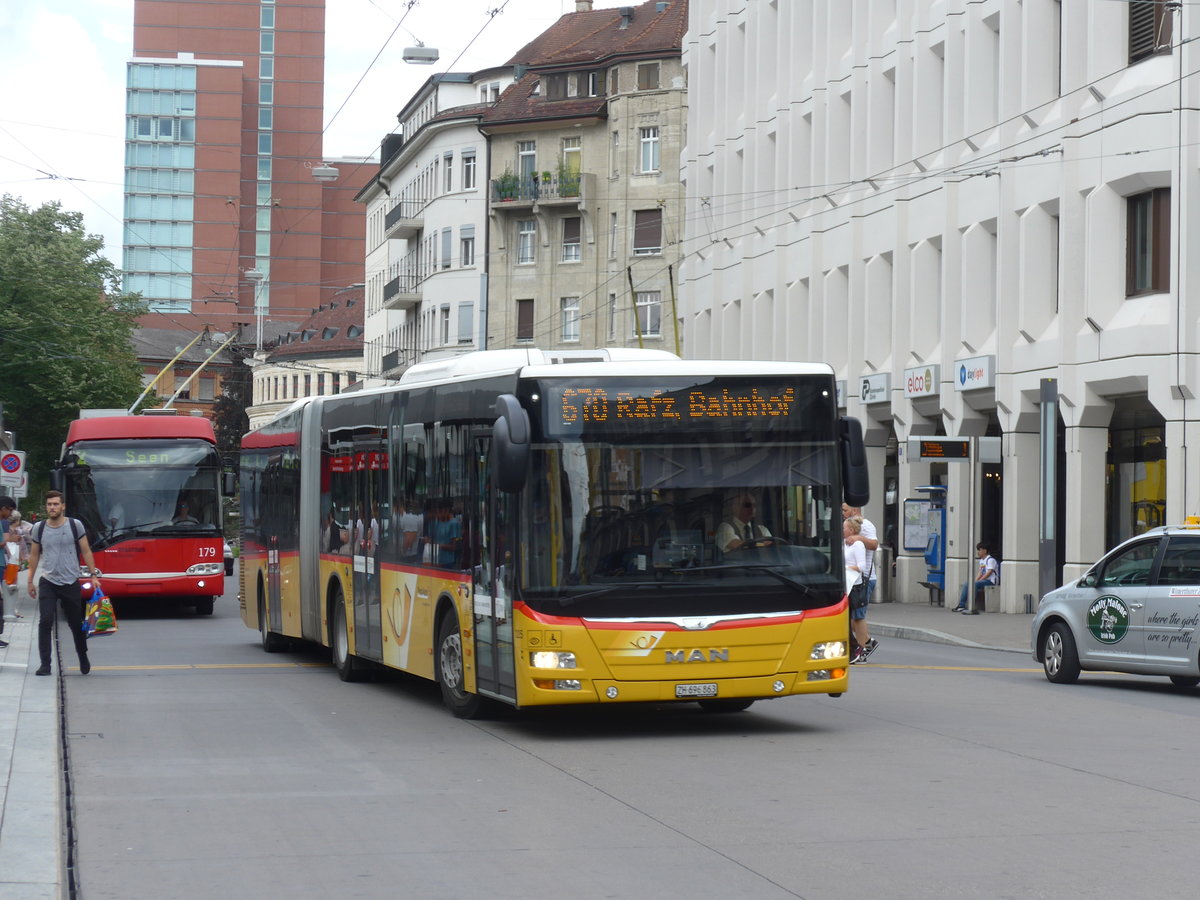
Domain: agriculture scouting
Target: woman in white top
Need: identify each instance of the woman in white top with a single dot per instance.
(856, 564)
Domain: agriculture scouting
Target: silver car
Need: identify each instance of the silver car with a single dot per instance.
(1136, 610)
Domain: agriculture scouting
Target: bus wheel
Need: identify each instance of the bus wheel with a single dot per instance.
(204, 606)
(450, 669)
(349, 668)
(725, 706)
(271, 642)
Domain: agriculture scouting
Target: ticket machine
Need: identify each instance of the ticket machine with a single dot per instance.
(925, 530)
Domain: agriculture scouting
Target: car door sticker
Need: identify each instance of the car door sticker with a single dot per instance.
(1108, 619)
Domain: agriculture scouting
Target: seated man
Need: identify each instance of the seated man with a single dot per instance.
(987, 573)
(740, 528)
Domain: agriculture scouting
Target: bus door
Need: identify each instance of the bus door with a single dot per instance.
(370, 475)
(492, 580)
(274, 522)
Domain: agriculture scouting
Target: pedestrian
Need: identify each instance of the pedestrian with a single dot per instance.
(987, 572)
(7, 506)
(862, 644)
(58, 543)
(868, 536)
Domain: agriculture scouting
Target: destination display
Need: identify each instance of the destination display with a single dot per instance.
(726, 404)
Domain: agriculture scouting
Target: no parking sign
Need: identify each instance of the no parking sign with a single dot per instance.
(12, 468)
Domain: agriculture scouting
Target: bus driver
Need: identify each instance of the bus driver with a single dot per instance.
(740, 529)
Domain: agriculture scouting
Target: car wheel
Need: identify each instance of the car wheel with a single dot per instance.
(451, 672)
(271, 642)
(1059, 657)
(1185, 681)
(348, 666)
(725, 706)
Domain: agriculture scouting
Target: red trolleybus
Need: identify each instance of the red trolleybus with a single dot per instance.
(148, 489)
(556, 528)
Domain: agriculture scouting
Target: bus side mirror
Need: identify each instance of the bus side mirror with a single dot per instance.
(510, 444)
(856, 485)
(57, 480)
(228, 484)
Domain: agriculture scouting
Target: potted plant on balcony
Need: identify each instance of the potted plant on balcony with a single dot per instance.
(568, 181)
(506, 186)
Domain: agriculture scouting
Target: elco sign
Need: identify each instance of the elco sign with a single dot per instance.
(923, 381)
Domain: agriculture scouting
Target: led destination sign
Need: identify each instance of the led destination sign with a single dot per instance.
(595, 405)
(725, 405)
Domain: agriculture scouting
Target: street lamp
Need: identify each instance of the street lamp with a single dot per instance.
(325, 172)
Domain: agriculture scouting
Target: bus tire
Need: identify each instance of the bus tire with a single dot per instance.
(725, 706)
(271, 642)
(349, 668)
(204, 606)
(451, 671)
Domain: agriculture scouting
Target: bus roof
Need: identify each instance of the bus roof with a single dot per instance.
(110, 428)
(534, 363)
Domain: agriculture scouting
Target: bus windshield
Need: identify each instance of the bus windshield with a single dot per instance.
(124, 489)
(674, 529)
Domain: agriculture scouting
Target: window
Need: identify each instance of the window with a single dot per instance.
(494, 91)
(649, 313)
(649, 142)
(468, 170)
(648, 77)
(266, 67)
(1181, 562)
(447, 173)
(615, 154)
(266, 42)
(614, 80)
(447, 238)
(526, 236)
(572, 154)
(612, 316)
(466, 246)
(466, 323)
(264, 144)
(266, 92)
(612, 236)
(267, 17)
(647, 231)
(1150, 24)
(595, 83)
(1148, 242)
(524, 320)
(570, 239)
(526, 160)
(265, 118)
(444, 325)
(570, 318)
(1131, 566)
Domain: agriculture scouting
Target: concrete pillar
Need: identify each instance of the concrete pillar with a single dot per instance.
(961, 535)
(1183, 478)
(1020, 452)
(1087, 451)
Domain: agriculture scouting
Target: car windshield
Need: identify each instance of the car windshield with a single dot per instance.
(714, 528)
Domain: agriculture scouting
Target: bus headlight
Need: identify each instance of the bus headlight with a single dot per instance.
(552, 659)
(206, 569)
(828, 650)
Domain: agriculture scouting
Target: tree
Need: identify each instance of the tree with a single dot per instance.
(229, 412)
(66, 329)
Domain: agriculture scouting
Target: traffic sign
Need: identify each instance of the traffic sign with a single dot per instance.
(12, 468)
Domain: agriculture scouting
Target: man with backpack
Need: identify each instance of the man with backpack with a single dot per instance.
(59, 542)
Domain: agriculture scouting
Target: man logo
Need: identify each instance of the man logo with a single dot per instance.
(674, 656)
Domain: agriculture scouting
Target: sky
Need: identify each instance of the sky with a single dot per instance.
(62, 85)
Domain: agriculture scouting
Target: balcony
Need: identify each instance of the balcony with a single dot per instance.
(395, 362)
(513, 193)
(402, 292)
(404, 220)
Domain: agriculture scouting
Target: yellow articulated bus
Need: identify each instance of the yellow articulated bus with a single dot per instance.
(535, 528)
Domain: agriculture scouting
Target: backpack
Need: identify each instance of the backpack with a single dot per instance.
(76, 532)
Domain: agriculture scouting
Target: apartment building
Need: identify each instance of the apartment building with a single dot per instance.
(958, 204)
(585, 198)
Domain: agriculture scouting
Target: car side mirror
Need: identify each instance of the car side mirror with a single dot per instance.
(1089, 580)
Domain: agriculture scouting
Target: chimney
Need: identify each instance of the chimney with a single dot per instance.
(583, 5)
(626, 16)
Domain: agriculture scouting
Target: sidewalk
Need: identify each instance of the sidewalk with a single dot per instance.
(31, 829)
(922, 622)
(30, 825)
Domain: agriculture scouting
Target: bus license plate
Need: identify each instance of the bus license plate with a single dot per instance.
(696, 690)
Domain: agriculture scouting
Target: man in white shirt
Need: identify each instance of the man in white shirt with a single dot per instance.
(869, 538)
(740, 528)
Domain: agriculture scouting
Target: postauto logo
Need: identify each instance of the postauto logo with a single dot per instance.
(970, 375)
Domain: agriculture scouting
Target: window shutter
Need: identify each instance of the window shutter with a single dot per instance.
(647, 230)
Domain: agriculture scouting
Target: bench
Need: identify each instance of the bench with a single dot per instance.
(937, 595)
